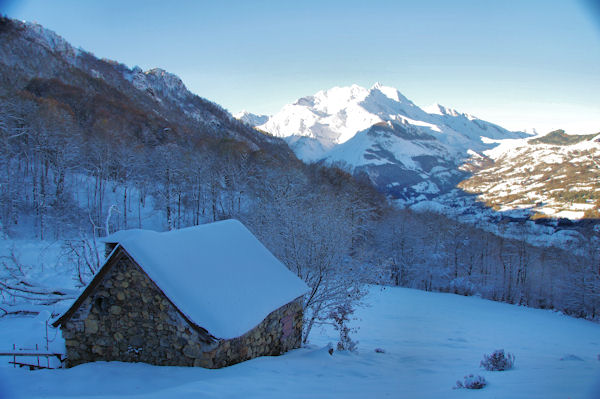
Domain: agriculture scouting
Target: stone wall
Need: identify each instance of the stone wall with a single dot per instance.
(127, 318)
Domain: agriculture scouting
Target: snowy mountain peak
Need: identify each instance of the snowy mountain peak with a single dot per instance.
(335, 115)
(336, 98)
(389, 92)
(250, 118)
(381, 131)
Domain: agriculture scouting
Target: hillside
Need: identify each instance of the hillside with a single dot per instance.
(39, 66)
(556, 175)
(428, 340)
(70, 123)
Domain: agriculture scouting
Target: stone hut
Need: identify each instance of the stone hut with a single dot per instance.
(208, 296)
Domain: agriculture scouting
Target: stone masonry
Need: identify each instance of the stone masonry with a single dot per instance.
(128, 318)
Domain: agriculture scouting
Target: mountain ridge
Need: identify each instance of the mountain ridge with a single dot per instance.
(415, 154)
(379, 131)
(334, 115)
(28, 51)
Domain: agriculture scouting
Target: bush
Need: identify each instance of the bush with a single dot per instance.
(462, 286)
(498, 361)
(471, 382)
(341, 316)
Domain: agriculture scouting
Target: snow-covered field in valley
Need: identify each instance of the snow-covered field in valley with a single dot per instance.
(430, 340)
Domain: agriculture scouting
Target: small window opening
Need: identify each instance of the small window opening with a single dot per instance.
(101, 304)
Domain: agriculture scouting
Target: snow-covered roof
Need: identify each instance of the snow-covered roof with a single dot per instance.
(219, 275)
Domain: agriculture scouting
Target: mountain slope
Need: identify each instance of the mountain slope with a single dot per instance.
(555, 175)
(400, 159)
(37, 61)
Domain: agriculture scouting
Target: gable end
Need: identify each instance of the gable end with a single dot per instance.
(117, 255)
(91, 287)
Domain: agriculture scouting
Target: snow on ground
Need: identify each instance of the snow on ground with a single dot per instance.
(430, 341)
(570, 214)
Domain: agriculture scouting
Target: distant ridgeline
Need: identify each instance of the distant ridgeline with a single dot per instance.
(559, 137)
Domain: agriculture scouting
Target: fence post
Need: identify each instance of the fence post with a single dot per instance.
(47, 346)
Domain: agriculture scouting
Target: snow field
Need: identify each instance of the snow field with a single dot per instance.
(431, 340)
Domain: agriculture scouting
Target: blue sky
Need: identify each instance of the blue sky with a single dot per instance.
(521, 64)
